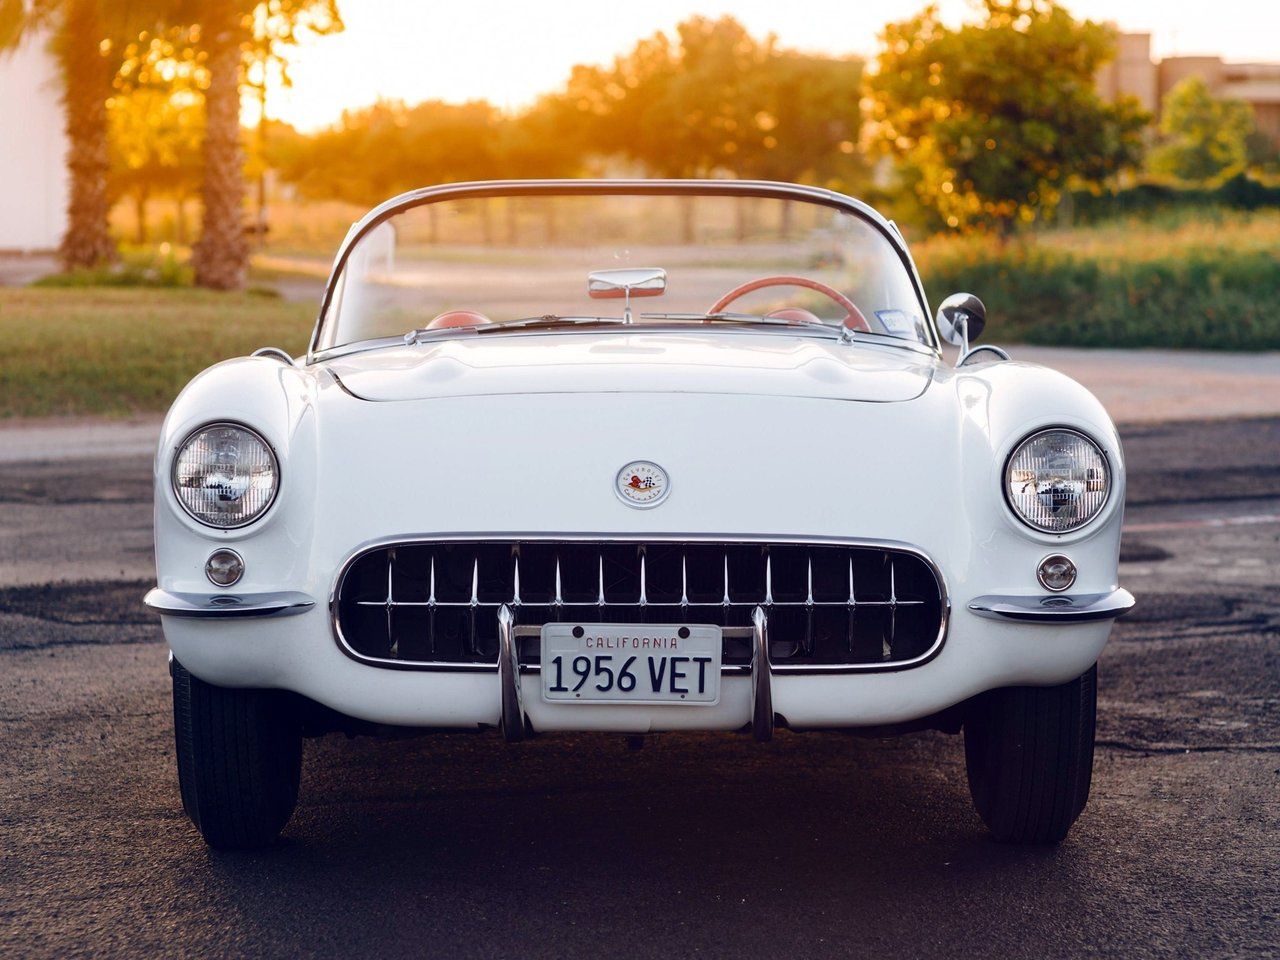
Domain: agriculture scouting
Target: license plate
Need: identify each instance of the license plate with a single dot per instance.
(630, 663)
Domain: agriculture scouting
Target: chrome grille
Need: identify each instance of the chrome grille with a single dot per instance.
(425, 603)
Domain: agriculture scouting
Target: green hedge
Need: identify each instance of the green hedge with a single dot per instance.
(1241, 192)
(1212, 299)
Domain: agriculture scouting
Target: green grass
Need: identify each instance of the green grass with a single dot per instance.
(1211, 283)
(117, 351)
(1208, 282)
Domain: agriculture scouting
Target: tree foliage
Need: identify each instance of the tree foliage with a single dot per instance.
(1204, 138)
(157, 122)
(387, 148)
(713, 99)
(994, 119)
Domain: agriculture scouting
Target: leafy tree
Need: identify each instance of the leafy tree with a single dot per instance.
(1204, 138)
(993, 120)
(156, 123)
(78, 37)
(385, 149)
(715, 100)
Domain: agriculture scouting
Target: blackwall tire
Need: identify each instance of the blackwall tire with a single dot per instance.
(1029, 756)
(239, 760)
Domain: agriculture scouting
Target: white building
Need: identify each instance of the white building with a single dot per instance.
(33, 148)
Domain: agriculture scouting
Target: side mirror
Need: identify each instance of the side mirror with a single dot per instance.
(961, 318)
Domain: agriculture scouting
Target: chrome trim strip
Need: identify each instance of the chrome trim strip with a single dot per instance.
(274, 353)
(512, 712)
(620, 187)
(1000, 352)
(227, 606)
(761, 678)
(795, 669)
(1056, 608)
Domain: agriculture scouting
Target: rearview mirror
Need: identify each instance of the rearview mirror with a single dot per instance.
(626, 283)
(961, 318)
(630, 282)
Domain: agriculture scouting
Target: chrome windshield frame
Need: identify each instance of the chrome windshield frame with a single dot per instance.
(620, 187)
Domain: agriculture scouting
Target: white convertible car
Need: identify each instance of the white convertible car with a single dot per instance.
(631, 457)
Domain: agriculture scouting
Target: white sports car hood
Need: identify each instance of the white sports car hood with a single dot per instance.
(716, 362)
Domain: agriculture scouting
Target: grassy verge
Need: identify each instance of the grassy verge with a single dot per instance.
(116, 352)
(1208, 284)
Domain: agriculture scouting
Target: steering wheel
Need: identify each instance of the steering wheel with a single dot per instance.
(854, 319)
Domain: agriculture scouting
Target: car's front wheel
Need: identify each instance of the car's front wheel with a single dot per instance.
(1029, 755)
(239, 760)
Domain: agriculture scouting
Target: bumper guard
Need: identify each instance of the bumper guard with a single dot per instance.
(1055, 609)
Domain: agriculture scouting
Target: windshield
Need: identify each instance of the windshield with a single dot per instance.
(480, 262)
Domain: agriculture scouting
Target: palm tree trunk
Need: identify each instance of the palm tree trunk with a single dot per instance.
(221, 255)
(87, 84)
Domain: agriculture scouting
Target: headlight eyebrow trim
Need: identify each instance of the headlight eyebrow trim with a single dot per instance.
(1017, 446)
(237, 425)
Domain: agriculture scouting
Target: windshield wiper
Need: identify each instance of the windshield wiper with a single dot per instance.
(548, 320)
(728, 317)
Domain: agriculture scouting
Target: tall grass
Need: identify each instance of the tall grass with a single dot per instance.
(1190, 283)
(112, 351)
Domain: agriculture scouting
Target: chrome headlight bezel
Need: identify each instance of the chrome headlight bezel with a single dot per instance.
(1109, 480)
(266, 446)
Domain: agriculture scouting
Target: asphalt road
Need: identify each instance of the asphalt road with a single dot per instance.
(815, 845)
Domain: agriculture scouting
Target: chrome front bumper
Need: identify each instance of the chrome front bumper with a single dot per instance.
(227, 605)
(1055, 609)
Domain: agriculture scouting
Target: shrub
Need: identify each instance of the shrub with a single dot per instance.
(1219, 298)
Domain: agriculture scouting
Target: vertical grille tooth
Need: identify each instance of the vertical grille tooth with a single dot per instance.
(391, 602)
(828, 604)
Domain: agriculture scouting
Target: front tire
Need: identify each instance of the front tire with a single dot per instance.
(239, 760)
(1029, 756)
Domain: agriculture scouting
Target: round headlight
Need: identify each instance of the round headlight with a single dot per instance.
(1057, 480)
(225, 475)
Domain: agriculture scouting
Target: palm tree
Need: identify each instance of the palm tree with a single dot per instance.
(77, 41)
(221, 255)
(228, 33)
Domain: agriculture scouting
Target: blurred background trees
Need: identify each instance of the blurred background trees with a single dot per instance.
(1202, 138)
(987, 126)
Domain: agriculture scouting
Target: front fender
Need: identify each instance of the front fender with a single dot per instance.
(278, 402)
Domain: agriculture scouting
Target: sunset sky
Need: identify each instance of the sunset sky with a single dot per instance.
(509, 52)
